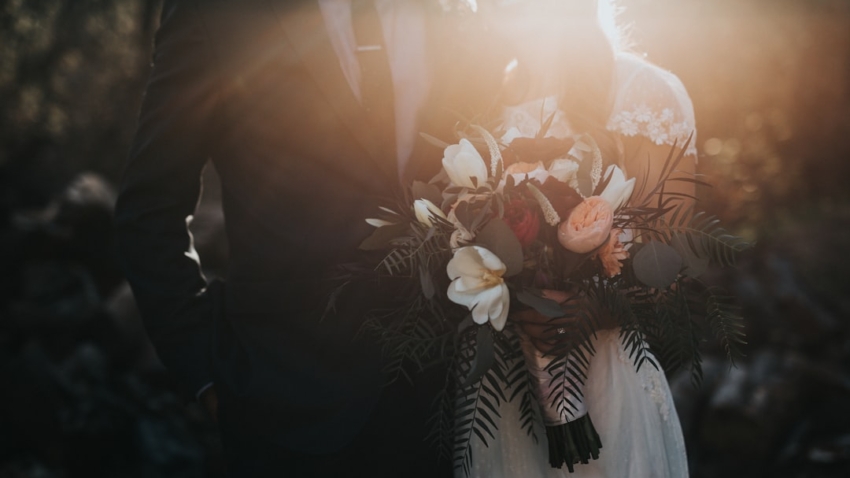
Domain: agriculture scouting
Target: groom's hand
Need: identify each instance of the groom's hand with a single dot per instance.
(209, 399)
(557, 335)
(549, 335)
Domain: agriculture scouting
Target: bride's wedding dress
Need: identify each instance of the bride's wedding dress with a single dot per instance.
(632, 410)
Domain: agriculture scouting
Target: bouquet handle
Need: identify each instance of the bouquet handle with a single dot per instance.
(570, 432)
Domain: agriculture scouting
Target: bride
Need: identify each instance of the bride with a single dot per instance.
(566, 66)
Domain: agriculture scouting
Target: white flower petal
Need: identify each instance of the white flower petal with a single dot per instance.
(378, 222)
(489, 260)
(426, 211)
(616, 174)
(486, 301)
(563, 169)
(618, 191)
(435, 210)
(466, 262)
(467, 284)
(479, 315)
(626, 194)
(466, 300)
(500, 316)
(462, 162)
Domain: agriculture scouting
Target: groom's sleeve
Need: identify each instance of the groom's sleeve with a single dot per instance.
(159, 193)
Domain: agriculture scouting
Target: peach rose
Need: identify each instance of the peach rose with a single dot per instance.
(587, 226)
(611, 253)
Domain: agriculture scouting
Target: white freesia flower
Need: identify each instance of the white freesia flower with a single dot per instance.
(563, 170)
(463, 162)
(477, 283)
(426, 211)
(618, 191)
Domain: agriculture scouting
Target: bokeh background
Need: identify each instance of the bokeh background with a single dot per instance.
(81, 391)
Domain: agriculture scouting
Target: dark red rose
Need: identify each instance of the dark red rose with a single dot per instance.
(523, 221)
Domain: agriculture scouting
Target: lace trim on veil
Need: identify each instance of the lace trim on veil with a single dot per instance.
(653, 103)
(660, 127)
(649, 102)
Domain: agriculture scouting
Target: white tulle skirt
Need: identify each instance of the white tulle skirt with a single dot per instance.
(632, 410)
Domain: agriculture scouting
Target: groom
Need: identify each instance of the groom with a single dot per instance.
(309, 111)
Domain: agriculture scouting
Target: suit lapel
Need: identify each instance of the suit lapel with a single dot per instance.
(304, 29)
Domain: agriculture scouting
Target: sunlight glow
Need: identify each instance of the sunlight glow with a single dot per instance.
(607, 13)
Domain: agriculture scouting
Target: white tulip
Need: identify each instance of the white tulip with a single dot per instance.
(477, 284)
(426, 211)
(618, 191)
(463, 162)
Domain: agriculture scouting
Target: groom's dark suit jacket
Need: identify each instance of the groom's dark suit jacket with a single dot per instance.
(255, 87)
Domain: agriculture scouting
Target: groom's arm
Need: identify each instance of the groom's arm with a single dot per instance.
(159, 193)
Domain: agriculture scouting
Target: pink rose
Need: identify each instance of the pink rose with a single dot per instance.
(611, 253)
(587, 226)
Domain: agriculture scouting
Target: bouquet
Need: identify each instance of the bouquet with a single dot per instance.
(542, 224)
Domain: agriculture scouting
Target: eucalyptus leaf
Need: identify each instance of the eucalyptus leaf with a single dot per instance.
(382, 237)
(464, 214)
(545, 306)
(498, 237)
(693, 254)
(485, 355)
(657, 265)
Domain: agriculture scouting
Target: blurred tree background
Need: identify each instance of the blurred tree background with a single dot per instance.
(81, 392)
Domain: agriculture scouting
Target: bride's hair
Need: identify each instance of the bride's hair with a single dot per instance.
(585, 67)
(586, 71)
